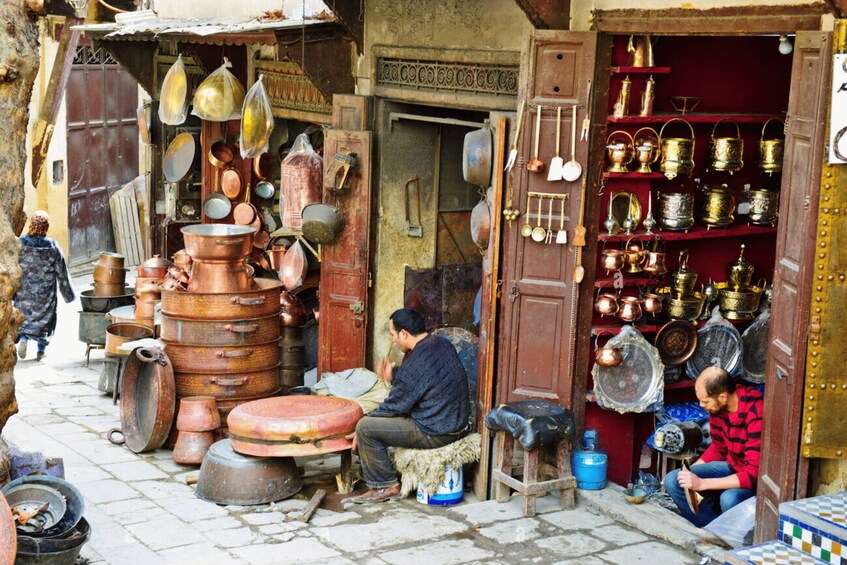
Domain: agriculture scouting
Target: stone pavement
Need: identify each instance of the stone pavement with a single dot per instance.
(142, 512)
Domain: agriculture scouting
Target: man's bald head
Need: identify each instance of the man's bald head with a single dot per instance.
(716, 380)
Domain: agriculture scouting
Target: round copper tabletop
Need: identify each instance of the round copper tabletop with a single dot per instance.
(293, 425)
(8, 534)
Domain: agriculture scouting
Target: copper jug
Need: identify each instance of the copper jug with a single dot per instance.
(630, 308)
(641, 49)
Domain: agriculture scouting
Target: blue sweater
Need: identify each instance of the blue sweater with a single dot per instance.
(431, 387)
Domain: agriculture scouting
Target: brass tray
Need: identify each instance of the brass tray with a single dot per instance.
(676, 342)
(635, 385)
(719, 343)
(621, 210)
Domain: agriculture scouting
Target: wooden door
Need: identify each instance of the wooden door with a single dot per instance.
(343, 292)
(102, 147)
(782, 472)
(538, 293)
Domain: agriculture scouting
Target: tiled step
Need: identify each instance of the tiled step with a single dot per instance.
(817, 526)
(770, 553)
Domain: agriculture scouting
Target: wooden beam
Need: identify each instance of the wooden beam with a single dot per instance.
(352, 17)
(326, 60)
(59, 74)
(547, 14)
(742, 20)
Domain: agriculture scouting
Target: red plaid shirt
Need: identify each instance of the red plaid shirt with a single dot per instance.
(737, 437)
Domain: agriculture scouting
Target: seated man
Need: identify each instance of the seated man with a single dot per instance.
(726, 473)
(427, 406)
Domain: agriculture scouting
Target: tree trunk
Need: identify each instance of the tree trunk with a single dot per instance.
(19, 60)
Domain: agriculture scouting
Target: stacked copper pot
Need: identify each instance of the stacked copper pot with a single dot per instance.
(292, 317)
(222, 336)
(148, 291)
(109, 275)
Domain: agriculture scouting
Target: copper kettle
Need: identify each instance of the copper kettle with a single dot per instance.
(292, 314)
(606, 304)
(607, 356)
(654, 260)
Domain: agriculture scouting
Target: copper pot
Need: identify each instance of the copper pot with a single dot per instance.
(218, 359)
(634, 256)
(276, 254)
(145, 303)
(606, 304)
(220, 332)
(253, 384)
(292, 313)
(261, 300)
(148, 284)
(198, 414)
(110, 260)
(220, 276)
(630, 308)
(109, 275)
(651, 303)
(109, 289)
(654, 263)
(191, 447)
(182, 259)
(217, 242)
(607, 356)
(118, 334)
(155, 267)
(611, 259)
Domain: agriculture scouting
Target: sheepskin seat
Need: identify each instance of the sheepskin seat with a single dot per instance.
(427, 465)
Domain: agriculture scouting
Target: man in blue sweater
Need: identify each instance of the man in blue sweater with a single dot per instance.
(427, 407)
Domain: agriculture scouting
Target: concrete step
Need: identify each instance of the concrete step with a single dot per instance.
(770, 553)
(817, 526)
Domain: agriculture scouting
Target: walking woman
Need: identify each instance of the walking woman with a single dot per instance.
(43, 266)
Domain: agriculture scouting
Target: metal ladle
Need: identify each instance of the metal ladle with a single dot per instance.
(539, 233)
(526, 229)
(572, 170)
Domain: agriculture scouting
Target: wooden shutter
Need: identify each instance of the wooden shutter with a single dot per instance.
(343, 292)
(782, 473)
(538, 291)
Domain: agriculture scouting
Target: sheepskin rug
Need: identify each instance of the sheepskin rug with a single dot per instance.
(427, 465)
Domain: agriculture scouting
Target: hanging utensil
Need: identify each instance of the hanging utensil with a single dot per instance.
(539, 233)
(179, 156)
(555, 171)
(562, 235)
(549, 237)
(513, 152)
(526, 230)
(572, 169)
(579, 236)
(231, 183)
(216, 206)
(536, 165)
(586, 121)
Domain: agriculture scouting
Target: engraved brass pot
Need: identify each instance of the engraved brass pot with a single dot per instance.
(684, 278)
(771, 151)
(739, 304)
(676, 210)
(726, 153)
(688, 308)
(677, 152)
(764, 207)
(719, 208)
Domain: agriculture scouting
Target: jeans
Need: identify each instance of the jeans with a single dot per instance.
(376, 434)
(42, 343)
(715, 502)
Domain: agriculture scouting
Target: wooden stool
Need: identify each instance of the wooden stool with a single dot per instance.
(560, 477)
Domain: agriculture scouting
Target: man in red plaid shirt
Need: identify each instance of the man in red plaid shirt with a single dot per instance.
(726, 473)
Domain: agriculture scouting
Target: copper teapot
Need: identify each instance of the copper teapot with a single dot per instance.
(630, 308)
(607, 356)
(292, 314)
(606, 304)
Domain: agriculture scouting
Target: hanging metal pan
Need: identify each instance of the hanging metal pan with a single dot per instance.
(231, 182)
(263, 166)
(148, 399)
(216, 206)
(265, 189)
(179, 156)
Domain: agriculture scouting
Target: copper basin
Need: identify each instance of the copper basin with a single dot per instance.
(252, 384)
(223, 358)
(261, 300)
(118, 334)
(217, 241)
(220, 332)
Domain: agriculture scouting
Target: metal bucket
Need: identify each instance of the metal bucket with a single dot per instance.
(725, 153)
(676, 210)
(764, 207)
(677, 152)
(53, 551)
(771, 151)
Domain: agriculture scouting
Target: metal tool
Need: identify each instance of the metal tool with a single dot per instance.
(536, 165)
(572, 169)
(539, 233)
(526, 229)
(416, 229)
(562, 235)
(586, 121)
(513, 152)
(549, 237)
(556, 163)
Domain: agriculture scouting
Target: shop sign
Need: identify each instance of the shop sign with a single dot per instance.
(838, 112)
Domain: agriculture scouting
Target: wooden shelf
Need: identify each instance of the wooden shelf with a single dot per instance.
(683, 383)
(614, 329)
(636, 281)
(640, 70)
(700, 232)
(632, 175)
(694, 118)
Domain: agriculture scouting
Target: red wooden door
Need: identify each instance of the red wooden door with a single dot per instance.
(782, 473)
(538, 291)
(102, 147)
(343, 292)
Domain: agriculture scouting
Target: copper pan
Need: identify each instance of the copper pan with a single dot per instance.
(220, 332)
(232, 182)
(223, 359)
(253, 384)
(147, 399)
(261, 240)
(263, 166)
(245, 213)
(260, 301)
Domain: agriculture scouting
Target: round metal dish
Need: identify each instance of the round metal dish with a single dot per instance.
(74, 502)
(54, 551)
(227, 477)
(637, 382)
(93, 303)
(676, 342)
(625, 205)
(754, 349)
(30, 498)
(148, 399)
(719, 345)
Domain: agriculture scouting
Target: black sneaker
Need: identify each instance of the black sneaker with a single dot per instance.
(39, 356)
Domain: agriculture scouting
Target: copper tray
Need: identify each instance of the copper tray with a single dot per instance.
(676, 342)
(8, 534)
(148, 399)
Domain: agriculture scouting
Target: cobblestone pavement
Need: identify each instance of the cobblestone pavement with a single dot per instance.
(141, 511)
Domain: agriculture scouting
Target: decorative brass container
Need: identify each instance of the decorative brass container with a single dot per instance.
(740, 272)
(771, 151)
(676, 210)
(633, 256)
(620, 153)
(726, 153)
(764, 208)
(647, 149)
(684, 278)
(718, 208)
(677, 152)
(687, 308)
(739, 304)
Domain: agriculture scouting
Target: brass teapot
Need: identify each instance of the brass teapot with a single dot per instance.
(684, 278)
(771, 151)
(726, 153)
(641, 49)
(740, 272)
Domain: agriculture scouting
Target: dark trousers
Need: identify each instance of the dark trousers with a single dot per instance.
(375, 435)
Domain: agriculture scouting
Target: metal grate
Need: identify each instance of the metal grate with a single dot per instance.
(474, 78)
(87, 55)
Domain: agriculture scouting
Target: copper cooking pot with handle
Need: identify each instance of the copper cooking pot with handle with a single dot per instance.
(260, 301)
(611, 259)
(651, 303)
(248, 331)
(217, 241)
(607, 356)
(606, 304)
(630, 308)
(252, 384)
(220, 276)
(217, 359)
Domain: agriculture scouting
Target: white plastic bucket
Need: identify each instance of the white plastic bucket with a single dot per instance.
(450, 491)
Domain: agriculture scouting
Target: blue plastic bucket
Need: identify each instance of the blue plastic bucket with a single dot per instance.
(450, 491)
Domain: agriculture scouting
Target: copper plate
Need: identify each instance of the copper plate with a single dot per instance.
(8, 535)
(293, 425)
(148, 399)
(676, 342)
